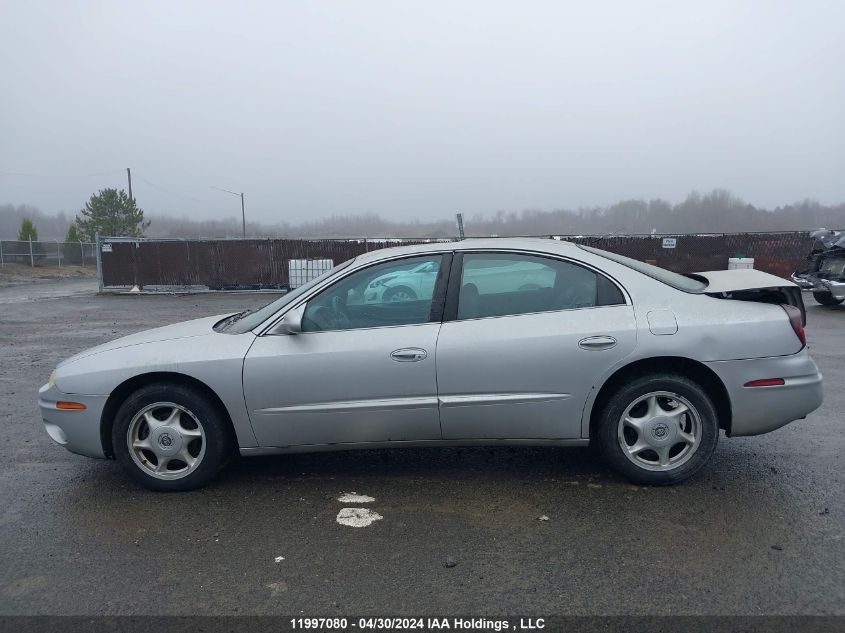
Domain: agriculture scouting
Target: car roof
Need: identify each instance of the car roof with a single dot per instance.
(492, 243)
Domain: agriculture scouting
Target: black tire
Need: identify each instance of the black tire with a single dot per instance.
(826, 299)
(218, 439)
(607, 427)
(390, 293)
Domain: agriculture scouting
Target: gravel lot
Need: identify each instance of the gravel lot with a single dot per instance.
(761, 531)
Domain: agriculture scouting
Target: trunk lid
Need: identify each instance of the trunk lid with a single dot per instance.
(752, 285)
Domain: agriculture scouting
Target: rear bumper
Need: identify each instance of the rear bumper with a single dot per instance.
(757, 410)
(77, 431)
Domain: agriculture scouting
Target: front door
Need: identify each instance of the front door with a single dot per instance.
(528, 339)
(362, 369)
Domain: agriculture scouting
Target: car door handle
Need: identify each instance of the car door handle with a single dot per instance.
(596, 343)
(409, 354)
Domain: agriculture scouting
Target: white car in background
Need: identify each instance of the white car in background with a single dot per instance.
(402, 284)
(412, 283)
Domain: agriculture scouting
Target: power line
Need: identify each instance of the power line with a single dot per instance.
(109, 173)
(234, 193)
(58, 176)
(166, 191)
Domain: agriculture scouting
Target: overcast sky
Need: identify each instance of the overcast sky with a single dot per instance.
(419, 110)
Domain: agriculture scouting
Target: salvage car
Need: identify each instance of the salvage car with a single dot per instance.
(825, 272)
(649, 365)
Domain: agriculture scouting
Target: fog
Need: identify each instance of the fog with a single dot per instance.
(417, 111)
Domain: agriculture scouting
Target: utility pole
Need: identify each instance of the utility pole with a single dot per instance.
(129, 178)
(243, 214)
(243, 210)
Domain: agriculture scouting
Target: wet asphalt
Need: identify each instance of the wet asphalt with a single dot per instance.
(760, 531)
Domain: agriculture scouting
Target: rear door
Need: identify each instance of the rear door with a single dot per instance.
(525, 338)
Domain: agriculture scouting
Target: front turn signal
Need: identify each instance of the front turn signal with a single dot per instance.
(70, 406)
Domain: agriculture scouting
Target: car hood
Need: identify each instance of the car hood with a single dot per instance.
(185, 329)
(741, 279)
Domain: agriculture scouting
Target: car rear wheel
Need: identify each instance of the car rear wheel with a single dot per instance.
(170, 438)
(659, 429)
(826, 299)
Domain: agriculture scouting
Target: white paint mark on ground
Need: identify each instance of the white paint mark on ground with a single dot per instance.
(354, 497)
(357, 517)
(277, 588)
(542, 517)
(279, 559)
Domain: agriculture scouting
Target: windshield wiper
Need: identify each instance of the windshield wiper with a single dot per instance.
(239, 316)
(235, 317)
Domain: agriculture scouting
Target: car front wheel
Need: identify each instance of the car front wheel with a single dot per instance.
(399, 293)
(826, 299)
(170, 438)
(658, 429)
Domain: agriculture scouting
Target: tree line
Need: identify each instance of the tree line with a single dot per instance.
(109, 212)
(112, 212)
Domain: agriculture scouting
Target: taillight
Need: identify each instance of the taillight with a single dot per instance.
(796, 322)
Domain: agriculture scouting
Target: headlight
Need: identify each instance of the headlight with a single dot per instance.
(52, 380)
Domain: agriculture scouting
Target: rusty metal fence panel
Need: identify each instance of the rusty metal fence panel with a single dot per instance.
(263, 263)
(776, 253)
(218, 264)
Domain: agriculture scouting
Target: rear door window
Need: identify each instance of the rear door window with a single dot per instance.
(499, 284)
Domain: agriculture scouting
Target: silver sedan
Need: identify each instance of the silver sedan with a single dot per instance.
(518, 341)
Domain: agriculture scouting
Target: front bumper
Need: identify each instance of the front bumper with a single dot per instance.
(835, 288)
(757, 410)
(77, 431)
(802, 282)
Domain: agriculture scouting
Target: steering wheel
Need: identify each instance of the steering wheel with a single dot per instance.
(334, 316)
(578, 295)
(340, 312)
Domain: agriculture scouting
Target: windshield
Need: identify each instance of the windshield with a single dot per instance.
(679, 282)
(251, 320)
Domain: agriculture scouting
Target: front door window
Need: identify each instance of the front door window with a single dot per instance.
(393, 293)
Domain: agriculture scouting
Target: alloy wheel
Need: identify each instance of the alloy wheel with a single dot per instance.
(400, 295)
(166, 440)
(659, 431)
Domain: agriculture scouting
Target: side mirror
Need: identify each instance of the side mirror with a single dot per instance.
(291, 323)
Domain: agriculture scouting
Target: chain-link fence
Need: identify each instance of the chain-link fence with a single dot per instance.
(45, 254)
(266, 263)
